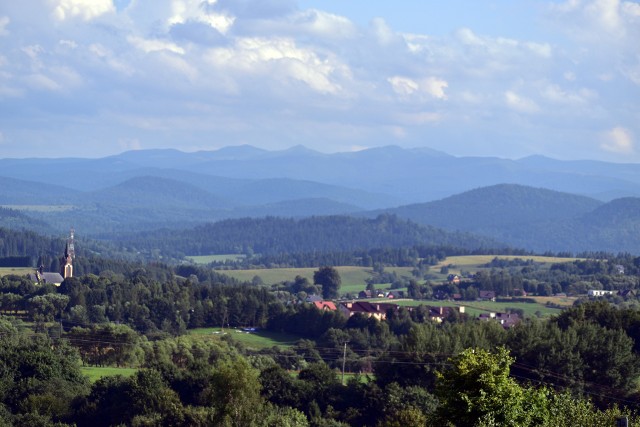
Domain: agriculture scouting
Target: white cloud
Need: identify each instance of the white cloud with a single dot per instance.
(4, 22)
(520, 104)
(323, 24)
(618, 140)
(403, 86)
(203, 11)
(41, 82)
(432, 86)
(68, 44)
(435, 87)
(382, 32)
(250, 69)
(2, 139)
(558, 95)
(280, 59)
(84, 9)
(598, 21)
(466, 36)
(154, 45)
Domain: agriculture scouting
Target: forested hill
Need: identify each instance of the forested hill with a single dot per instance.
(498, 206)
(15, 220)
(28, 245)
(283, 235)
(537, 219)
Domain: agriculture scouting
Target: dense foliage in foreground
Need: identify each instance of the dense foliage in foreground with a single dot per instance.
(213, 385)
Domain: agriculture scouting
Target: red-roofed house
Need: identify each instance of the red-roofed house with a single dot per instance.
(325, 305)
(377, 310)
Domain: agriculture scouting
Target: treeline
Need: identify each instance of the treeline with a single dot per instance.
(149, 306)
(28, 243)
(415, 256)
(519, 276)
(271, 236)
(23, 248)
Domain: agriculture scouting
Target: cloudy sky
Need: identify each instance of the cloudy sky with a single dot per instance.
(90, 78)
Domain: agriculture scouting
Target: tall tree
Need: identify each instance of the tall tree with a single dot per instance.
(477, 390)
(329, 279)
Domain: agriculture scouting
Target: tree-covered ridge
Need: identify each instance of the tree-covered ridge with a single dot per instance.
(535, 218)
(502, 205)
(13, 219)
(285, 235)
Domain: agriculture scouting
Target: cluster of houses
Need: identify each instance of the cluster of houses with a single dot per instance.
(593, 293)
(380, 294)
(380, 310)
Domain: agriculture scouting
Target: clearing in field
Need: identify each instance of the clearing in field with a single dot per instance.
(353, 278)
(475, 308)
(476, 261)
(254, 338)
(18, 271)
(208, 259)
(95, 373)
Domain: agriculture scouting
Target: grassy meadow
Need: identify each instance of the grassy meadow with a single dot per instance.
(19, 271)
(475, 308)
(475, 262)
(254, 339)
(353, 278)
(95, 373)
(207, 259)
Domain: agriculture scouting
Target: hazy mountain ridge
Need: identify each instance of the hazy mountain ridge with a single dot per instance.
(146, 190)
(403, 176)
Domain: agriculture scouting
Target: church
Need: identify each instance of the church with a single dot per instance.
(41, 277)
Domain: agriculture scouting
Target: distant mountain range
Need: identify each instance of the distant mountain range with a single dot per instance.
(534, 203)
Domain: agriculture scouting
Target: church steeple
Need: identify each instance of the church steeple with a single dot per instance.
(67, 263)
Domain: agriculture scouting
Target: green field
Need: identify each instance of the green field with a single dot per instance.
(207, 259)
(475, 308)
(20, 271)
(353, 278)
(256, 339)
(468, 262)
(95, 373)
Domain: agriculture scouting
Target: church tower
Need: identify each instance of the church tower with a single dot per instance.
(66, 261)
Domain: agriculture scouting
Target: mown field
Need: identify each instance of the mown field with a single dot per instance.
(475, 308)
(95, 373)
(207, 259)
(353, 278)
(476, 262)
(254, 339)
(20, 271)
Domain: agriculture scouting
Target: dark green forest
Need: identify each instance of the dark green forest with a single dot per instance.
(122, 310)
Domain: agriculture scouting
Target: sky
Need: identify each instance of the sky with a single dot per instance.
(93, 78)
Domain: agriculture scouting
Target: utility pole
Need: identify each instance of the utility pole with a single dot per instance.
(344, 360)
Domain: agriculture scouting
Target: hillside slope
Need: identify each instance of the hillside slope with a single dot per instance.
(282, 235)
(492, 208)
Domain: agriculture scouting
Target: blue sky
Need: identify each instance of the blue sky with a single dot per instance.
(91, 78)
